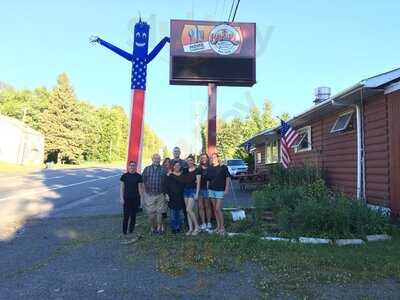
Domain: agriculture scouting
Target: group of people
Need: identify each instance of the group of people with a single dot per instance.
(179, 185)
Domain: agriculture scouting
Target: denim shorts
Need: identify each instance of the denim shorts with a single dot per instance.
(203, 193)
(216, 194)
(189, 193)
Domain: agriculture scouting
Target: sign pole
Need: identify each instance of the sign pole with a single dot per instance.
(212, 119)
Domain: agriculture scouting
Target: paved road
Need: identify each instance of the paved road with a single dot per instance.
(58, 193)
(68, 193)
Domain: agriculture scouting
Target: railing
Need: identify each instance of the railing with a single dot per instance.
(252, 181)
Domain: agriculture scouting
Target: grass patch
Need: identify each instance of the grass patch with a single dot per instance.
(294, 268)
(280, 268)
(176, 254)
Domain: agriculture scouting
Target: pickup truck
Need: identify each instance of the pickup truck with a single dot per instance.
(236, 167)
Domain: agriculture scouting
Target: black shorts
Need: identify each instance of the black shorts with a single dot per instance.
(134, 203)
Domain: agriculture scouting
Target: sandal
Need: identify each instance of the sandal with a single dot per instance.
(189, 232)
(195, 232)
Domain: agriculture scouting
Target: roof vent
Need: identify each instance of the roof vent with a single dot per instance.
(322, 93)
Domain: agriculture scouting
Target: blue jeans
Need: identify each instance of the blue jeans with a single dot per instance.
(176, 220)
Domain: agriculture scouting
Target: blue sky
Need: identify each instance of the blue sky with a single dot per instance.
(300, 45)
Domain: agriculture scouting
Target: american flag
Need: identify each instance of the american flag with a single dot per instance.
(247, 146)
(288, 137)
(139, 73)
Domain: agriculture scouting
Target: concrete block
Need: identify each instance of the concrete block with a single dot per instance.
(378, 237)
(309, 240)
(345, 242)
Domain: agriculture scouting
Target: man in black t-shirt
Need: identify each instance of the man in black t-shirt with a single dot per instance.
(177, 158)
(130, 192)
(176, 152)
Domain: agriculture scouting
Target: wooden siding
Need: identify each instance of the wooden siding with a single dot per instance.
(394, 150)
(335, 153)
(376, 145)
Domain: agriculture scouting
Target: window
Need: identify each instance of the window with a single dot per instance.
(343, 122)
(272, 152)
(303, 142)
(258, 157)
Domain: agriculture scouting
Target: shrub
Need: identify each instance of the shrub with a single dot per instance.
(303, 205)
(275, 197)
(294, 176)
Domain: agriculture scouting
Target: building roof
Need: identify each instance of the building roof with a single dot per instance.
(362, 89)
(19, 124)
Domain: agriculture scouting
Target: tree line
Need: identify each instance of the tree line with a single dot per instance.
(234, 131)
(75, 131)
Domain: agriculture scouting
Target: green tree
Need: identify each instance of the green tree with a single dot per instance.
(166, 152)
(111, 134)
(151, 144)
(285, 116)
(231, 133)
(24, 105)
(60, 123)
(75, 130)
(89, 127)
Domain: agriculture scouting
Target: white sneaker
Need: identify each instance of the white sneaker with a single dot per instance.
(195, 232)
(209, 226)
(203, 227)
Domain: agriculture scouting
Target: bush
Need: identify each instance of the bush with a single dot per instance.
(303, 205)
(294, 176)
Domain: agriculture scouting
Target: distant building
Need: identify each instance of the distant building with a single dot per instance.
(19, 143)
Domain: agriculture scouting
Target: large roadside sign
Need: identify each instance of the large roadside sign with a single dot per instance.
(204, 52)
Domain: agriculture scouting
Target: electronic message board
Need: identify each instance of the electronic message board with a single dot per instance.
(205, 52)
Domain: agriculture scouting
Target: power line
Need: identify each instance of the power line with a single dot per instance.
(234, 15)
(230, 12)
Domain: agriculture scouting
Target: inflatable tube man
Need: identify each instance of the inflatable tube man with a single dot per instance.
(140, 59)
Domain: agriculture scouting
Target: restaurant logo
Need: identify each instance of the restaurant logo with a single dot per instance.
(195, 40)
(225, 39)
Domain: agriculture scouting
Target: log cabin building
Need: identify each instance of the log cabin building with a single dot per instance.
(353, 136)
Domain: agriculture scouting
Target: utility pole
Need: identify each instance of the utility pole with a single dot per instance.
(212, 119)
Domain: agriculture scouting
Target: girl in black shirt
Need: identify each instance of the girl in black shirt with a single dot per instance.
(204, 201)
(167, 170)
(191, 192)
(173, 186)
(218, 183)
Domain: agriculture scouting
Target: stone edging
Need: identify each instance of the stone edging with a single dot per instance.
(312, 240)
